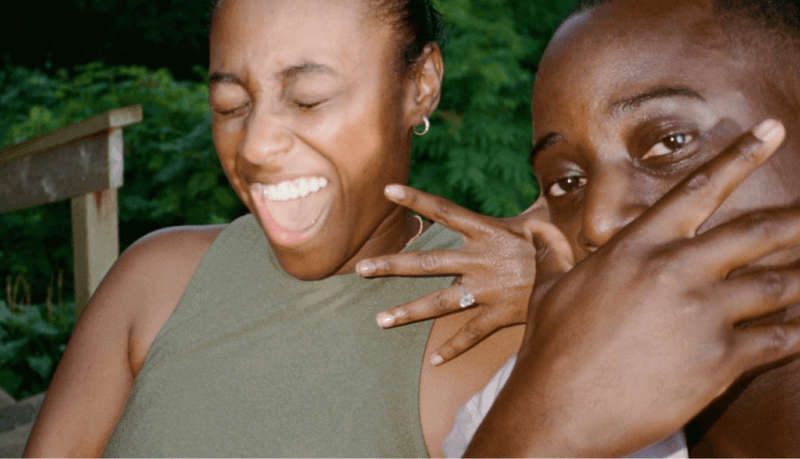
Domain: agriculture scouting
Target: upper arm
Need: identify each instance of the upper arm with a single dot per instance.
(90, 387)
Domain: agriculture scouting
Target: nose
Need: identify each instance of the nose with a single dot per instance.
(266, 138)
(611, 202)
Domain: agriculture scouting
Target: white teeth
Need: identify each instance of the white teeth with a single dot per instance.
(286, 191)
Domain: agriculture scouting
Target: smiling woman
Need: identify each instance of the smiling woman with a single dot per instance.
(257, 338)
(298, 108)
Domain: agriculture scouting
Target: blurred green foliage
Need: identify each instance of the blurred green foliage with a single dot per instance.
(172, 175)
(477, 151)
(32, 337)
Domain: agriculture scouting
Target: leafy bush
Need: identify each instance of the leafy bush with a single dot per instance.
(32, 339)
(478, 149)
(172, 175)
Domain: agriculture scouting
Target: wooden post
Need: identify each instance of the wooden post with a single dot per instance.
(82, 162)
(95, 241)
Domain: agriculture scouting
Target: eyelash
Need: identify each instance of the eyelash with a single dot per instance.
(306, 106)
(232, 112)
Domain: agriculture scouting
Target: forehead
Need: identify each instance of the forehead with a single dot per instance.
(280, 32)
(624, 46)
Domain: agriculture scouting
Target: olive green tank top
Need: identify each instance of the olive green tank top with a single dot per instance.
(256, 363)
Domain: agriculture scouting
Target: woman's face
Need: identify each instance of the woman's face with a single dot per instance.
(310, 123)
(632, 97)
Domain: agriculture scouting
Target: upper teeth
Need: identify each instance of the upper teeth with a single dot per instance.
(285, 191)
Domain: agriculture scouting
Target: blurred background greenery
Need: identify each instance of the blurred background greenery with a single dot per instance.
(114, 53)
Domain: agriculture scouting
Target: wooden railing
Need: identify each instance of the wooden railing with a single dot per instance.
(82, 162)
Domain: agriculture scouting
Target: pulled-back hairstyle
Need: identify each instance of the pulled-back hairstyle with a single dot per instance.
(416, 22)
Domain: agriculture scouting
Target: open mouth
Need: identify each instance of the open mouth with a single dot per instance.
(290, 209)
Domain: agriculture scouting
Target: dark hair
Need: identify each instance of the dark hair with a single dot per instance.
(780, 18)
(417, 23)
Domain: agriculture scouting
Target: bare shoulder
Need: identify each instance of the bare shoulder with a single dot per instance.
(88, 391)
(154, 273)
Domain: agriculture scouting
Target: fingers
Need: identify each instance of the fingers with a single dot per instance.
(553, 251)
(552, 246)
(745, 239)
(765, 344)
(436, 208)
(756, 294)
(539, 208)
(681, 211)
(475, 330)
(432, 263)
(429, 306)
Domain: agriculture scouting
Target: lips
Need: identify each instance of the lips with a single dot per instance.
(291, 209)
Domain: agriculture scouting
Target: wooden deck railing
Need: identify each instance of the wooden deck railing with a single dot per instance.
(82, 162)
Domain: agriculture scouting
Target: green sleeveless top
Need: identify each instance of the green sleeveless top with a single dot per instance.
(256, 363)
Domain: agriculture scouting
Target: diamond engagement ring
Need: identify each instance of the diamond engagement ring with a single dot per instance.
(467, 299)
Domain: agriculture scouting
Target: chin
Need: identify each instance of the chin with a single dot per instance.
(306, 266)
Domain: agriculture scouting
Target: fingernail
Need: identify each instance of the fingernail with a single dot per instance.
(436, 360)
(365, 268)
(395, 191)
(385, 320)
(767, 130)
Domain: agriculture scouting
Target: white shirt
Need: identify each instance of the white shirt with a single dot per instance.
(471, 415)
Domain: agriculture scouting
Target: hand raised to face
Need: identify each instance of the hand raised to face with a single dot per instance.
(641, 335)
(496, 266)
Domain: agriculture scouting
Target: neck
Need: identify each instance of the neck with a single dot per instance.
(390, 237)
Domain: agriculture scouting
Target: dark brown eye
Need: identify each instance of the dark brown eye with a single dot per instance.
(566, 185)
(669, 144)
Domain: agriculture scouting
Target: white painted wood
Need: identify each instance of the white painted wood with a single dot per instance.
(116, 118)
(95, 241)
(79, 167)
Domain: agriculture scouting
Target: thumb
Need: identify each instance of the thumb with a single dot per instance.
(553, 251)
(554, 257)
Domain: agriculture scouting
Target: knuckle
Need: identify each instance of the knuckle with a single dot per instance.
(383, 266)
(747, 151)
(473, 332)
(776, 340)
(443, 209)
(771, 285)
(441, 303)
(697, 183)
(427, 262)
(759, 222)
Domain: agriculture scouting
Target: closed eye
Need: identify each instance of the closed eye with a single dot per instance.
(307, 105)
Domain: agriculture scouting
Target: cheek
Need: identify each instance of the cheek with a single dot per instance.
(763, 189)
(227, 137)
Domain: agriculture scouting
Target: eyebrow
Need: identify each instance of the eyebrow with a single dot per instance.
(630, 103)
(285, 74)
(308, 67)
(546, 141)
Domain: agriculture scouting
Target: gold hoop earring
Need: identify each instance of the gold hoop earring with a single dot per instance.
(427, 126)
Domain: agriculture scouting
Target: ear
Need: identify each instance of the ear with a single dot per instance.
(424, 85)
